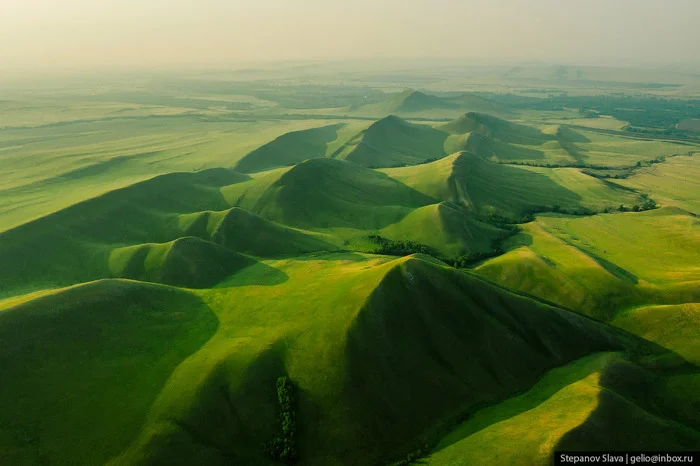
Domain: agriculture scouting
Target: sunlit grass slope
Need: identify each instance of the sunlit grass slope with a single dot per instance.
(672, 326)
(322, 193)
(447, 228)
(601, 264)
(393, 141)
(674, 182)
(82, 367)
(598, 400)
(376, 351)
(491, 188)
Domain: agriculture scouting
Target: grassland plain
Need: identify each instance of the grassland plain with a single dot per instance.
(269, 276)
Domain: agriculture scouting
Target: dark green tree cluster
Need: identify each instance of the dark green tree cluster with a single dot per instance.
(284, 446)
(399, 248)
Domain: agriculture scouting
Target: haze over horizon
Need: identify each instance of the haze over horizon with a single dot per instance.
(78, 34)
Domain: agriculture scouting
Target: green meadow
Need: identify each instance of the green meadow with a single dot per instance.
(266, 268)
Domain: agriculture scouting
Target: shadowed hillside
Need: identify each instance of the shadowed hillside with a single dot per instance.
(289, 149)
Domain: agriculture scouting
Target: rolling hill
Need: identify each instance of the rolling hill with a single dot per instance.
(393, 141)
(404, 315)
(490, 188)
(446, 228)
(412, 102)
(327, 193)
(187, 262)
(289, 149)
(596, 265)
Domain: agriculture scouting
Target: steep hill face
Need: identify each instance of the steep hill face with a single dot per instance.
(412, 344)
(446, 228)
(321, 193)
(289, 149)
(393, 141)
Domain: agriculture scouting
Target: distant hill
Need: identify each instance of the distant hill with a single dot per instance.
(393, 141)
(289, 149)
(413, 102)
(496, 128)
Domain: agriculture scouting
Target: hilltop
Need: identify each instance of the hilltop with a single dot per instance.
(289, 149)
(414, 102)
(323, 193)
(392, 141)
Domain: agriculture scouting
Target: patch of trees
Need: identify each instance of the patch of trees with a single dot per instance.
(284, 446)
(399, 248)
(645, 204)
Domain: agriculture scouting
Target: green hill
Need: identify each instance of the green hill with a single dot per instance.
(188, 262)
(82, 366)
(376, 351)
(599, 265)
(326, 193)
(496, 128)
(73, 245)
(289, 149)
(413, 102)
(447, 228)
(588, 405)
(393, 141)
(490, 188)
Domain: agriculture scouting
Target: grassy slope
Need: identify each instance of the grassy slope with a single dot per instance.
(289, 149)
(45, 169)
(674, 182)
(673, 326)
(591, 395)
(81, 367)
(187, 262)
(420, 104)
(393, 141)
(487, 187)
(322, 193)
(599, 265)
(76, 244)
(447, 229)
(355, 310)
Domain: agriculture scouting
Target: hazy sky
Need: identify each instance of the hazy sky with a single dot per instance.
(116, 33)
